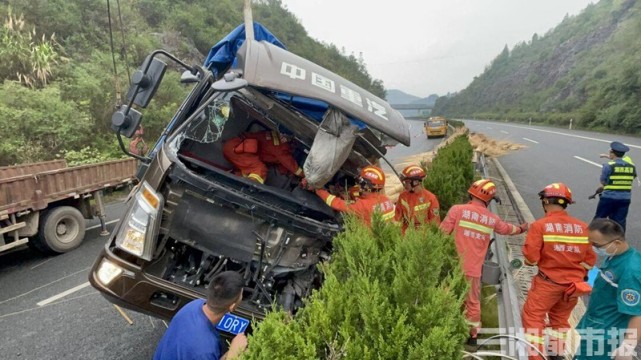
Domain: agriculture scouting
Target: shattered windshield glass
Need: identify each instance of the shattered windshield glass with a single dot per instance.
(208, 126)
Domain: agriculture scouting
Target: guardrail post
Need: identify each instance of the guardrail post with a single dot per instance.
(100, 212)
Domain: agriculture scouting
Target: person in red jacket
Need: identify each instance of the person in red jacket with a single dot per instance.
(372, 181)
(472, 225)
(558, 244)
(416, 205)
(252, 152)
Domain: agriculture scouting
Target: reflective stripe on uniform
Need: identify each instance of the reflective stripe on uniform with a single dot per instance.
(275, 138)
(405, 204)
(556, 334)
(566, 239)
(329, 200)
(535, 339)
(298, 172)
(474, 226)
(388, 215)
(422, 206)
(256, 177)
(473, 323)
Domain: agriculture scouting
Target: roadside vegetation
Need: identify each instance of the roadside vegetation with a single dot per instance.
(384, 296)
(57, 86)
(585, 70)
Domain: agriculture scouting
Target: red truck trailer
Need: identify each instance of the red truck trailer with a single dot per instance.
(46, 204)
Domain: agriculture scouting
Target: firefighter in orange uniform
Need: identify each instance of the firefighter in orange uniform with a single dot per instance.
(558, 244)
(275, 149)
(372, 181)
(416, 205)
(243, 154)
(251, 152)
(472, 225)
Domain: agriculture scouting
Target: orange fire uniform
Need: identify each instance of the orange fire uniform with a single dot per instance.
(273, 151)
(247, 163)
(364, 206)
(417, 208)
(472, 224)
(558, 244)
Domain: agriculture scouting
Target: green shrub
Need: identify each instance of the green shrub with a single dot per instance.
(384, 297)
(451, 173)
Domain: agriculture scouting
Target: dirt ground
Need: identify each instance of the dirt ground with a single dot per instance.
(480, 143)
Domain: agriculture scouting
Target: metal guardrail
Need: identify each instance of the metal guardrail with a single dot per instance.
(507, 294)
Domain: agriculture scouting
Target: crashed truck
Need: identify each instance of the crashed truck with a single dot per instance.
(192, 217)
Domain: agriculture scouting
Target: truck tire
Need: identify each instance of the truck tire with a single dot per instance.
(61, 229)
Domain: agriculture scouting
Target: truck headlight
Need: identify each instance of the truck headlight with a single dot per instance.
(107, 271)
(140, 226)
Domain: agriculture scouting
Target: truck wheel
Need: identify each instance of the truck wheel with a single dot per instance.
(60, 230)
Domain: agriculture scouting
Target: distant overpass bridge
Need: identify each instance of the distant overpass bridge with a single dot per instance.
(413, 110)
(412, 107)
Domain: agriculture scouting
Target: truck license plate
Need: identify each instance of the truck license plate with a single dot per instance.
(232, 324)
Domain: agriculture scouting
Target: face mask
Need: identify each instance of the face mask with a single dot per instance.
(603, 256)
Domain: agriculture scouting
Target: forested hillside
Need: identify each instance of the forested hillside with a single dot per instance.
(58, 89)
(586, 69)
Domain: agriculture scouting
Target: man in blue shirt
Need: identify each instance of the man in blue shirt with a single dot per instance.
(617, 177)
(192, 333)
(611, 326)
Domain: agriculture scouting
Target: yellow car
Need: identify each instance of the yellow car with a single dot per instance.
(436, 127)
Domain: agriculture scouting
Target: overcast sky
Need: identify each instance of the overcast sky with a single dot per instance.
(424, 47)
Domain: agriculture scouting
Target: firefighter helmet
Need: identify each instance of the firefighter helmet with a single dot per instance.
(483, 190)
(413, 172)
(559, 193)
(373, 177)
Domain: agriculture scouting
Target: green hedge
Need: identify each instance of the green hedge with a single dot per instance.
(451, 173)
(384, 296)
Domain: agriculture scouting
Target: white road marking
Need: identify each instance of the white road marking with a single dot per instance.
(571, 135)
(42, 263)
(45, 285)
(167, 326)
(588, 161)
(38, 307)
(504, 132)
(63, 294)
(530, 140)
(107, 223)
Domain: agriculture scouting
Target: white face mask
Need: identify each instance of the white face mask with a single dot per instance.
(603, 256)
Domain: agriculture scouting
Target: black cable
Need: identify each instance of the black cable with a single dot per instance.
(124, 47)
(113, 55)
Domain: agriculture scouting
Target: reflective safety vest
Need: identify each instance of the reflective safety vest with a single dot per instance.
(622, 175)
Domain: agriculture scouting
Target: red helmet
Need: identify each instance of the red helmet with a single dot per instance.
(558, 191)
(483, 189)
(373, 176)
(413, 172)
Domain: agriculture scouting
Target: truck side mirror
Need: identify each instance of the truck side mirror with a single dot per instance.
(146, 83)
(126, 122)
(188, 77)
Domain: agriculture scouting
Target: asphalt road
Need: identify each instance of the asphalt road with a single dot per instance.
(420, 143)
(562, 155)
(49, 311)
